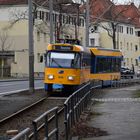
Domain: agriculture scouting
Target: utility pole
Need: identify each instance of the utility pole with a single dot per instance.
(51, 20)
(31, 48)
(87, 24)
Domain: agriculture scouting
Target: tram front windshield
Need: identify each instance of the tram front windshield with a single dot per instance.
(63, 60)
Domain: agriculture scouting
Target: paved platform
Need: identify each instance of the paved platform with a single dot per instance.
(120, 114)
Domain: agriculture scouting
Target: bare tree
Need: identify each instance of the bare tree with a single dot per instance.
(5, 44)
(114, 19)
(112, 16)
(42, 24)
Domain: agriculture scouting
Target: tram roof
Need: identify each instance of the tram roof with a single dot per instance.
(105, 52)
(77, 48)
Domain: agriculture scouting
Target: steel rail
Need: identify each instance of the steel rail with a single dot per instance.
(22, 110)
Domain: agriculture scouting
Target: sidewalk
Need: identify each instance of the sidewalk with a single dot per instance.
(119, 114)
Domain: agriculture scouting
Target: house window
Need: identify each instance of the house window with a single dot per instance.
(40, 58)
(131, 60)
(81, 22)
(42, 15)
(127, 46)
(121, 45)
(67, 19)
(53, 17)
(127, 61)
(92, 42)
(131, 30)
(38, 14)
(38, 36)
(47, 16)
(45, 37)
(63, 18)
(139, 33)
(131, 46)
(35, 15)
(127, 30)
(120, 29)
(136, 62)
(136, 47)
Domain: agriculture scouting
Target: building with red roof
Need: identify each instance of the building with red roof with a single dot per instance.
(116, 24)
(132, 13)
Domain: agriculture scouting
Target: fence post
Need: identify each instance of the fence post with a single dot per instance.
(46, 127)
(66, 122)
(56, 123)
(72, 109)
(35, 131)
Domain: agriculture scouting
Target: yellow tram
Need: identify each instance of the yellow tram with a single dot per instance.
(105, 65)
(67, 66)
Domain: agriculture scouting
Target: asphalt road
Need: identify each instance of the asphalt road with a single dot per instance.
(17, 86)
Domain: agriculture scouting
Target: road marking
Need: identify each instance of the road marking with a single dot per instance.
(16, 91)
(18, 83)
(10, 84)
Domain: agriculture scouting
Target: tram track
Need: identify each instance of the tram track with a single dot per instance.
(23, 118)
(21, 111)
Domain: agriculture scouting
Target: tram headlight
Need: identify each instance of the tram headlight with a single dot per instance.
(71, 78)
(50, 76)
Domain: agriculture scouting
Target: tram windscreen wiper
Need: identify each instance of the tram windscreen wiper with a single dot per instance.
(56, 63)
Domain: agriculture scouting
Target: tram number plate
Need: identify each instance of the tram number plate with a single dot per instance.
(61, 77)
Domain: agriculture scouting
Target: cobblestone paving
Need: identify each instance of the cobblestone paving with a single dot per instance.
(120, 114)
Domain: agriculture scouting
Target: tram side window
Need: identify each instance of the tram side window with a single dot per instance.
(113, 64)
(100, 65)
(86, 60)
(108, 64)
(116, 63)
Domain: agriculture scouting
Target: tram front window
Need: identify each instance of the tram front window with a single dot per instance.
(63, 60)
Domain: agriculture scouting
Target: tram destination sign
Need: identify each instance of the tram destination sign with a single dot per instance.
(63, 48)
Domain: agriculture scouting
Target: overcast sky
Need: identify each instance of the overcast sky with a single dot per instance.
(137, 2)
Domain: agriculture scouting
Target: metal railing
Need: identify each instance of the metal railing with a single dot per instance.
(45, 117)
(73, 107)
(124, 82)
(75, 104)
(24, 135)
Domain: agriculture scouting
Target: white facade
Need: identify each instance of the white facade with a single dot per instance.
(94, 36)
(19, 36)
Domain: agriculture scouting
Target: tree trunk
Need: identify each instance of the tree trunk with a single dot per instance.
(114, 35)
(2, 66)
(114, 40)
